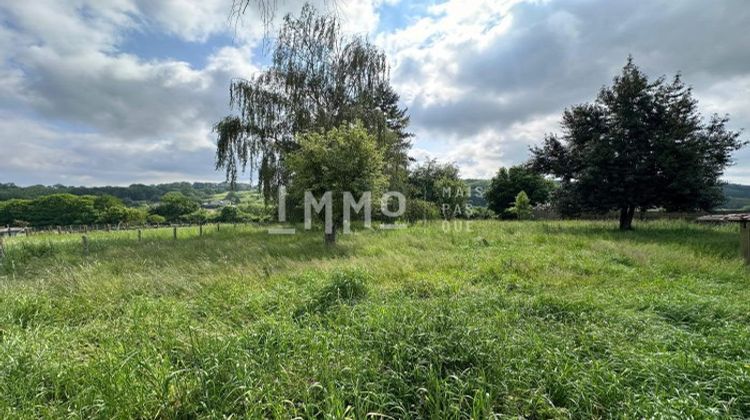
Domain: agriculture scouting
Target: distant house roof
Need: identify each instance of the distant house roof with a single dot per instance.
(214, 204)
(736, 217)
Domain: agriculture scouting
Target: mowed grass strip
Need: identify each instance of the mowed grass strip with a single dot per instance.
(533, 319)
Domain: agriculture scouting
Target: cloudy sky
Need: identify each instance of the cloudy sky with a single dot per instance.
(96, 92)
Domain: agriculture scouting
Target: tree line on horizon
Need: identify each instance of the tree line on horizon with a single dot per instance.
(131, 195)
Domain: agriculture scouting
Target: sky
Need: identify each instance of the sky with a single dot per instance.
(115, 92)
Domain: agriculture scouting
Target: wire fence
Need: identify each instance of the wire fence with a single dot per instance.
(18, 244)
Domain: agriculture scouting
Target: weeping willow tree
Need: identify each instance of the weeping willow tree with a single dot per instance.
(266, 9)
(319, 79)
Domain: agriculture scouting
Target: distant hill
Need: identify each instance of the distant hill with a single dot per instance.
(738, 197)
(136, 193)
(478, 188)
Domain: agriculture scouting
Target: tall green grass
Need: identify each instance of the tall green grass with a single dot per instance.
(532, 319)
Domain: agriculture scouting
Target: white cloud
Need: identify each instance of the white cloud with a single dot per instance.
(96, 104)
(486, 79)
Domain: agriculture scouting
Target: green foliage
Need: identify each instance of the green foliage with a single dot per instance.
(131, 194)
(106, 202)
(233, 197)
(422, 179)
(259, 212)
(112, 215)
(51, 210)
(319, 79)
(197, 217)
(155, 219)
(68, 209)
(522, 208)
(641, 144)
(417, 210)
(13, 210)
(110, 210)
(135, 216)
(174, 205)
(231, 214)
(506, 185)
(345, 159)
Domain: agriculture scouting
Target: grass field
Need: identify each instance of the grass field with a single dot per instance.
(534, 319)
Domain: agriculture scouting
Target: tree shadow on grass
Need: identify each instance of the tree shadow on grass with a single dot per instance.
(701, 239)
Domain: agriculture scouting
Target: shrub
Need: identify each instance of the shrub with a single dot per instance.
(155, 219)
(231, 214)
(174, 205)
(522, 207)
(421, 210)
(198, 217)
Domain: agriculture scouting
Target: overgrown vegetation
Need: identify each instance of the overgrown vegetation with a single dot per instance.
(532, 319)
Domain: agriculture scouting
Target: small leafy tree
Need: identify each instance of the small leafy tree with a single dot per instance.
(417, 210)
(174, 205)
(155, 219)
(506, 185)
(198, 217)
(230, 214)
(233, 197)
(422, 179)
(135, 216)
(341, 160)
(522, 206)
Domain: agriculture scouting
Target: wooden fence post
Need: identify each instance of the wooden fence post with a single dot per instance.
(85, 245)
(174, 233)
(140, 237)
(200, 230)
(218, 226)
(59, 230)
(745, 241)
(2, 248)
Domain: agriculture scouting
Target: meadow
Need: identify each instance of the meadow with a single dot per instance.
(536, 319)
